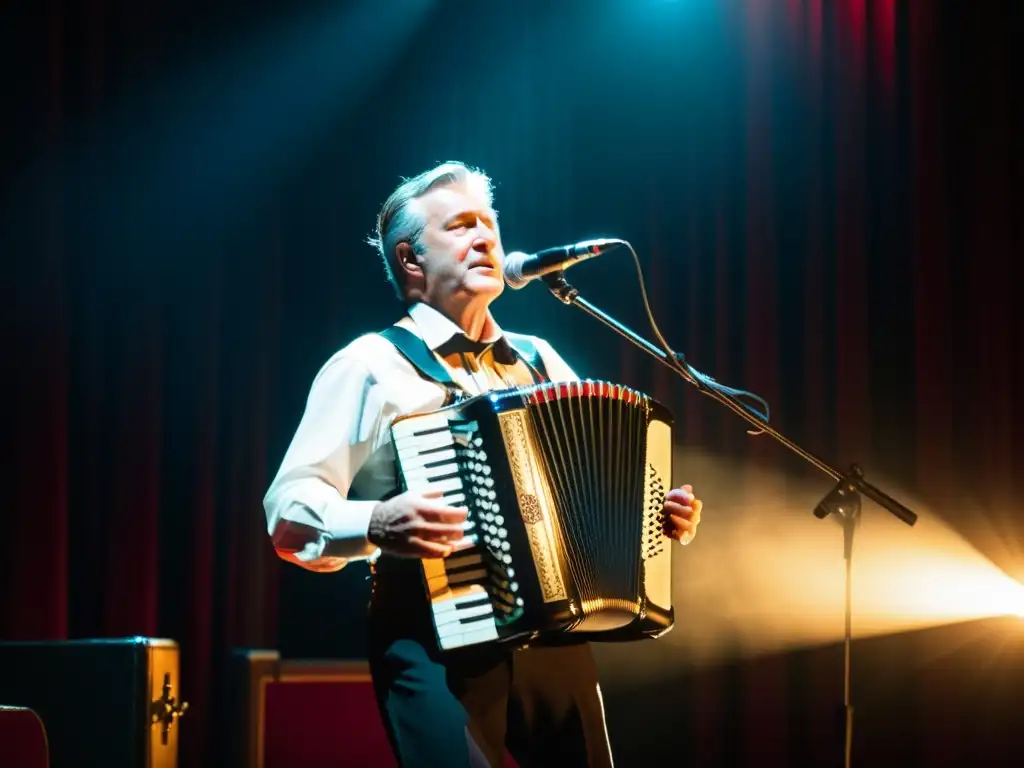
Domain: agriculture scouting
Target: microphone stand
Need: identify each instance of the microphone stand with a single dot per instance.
(844, 500)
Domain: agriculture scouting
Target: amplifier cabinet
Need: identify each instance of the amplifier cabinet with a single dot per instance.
(105, 702)
(304, 712)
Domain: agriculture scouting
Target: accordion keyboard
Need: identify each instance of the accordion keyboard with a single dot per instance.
(429, 451)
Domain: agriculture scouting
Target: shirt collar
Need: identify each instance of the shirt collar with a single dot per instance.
(435, 328)
(441, 334)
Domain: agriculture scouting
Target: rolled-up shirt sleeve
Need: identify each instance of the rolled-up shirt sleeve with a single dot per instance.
(310, 520)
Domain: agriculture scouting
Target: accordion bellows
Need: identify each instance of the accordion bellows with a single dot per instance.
(565, 485)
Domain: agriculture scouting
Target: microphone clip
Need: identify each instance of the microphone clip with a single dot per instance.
(560, 287)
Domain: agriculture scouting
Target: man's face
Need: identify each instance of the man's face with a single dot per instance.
(462, 255)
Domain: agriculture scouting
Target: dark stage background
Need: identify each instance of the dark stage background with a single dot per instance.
(825, 197)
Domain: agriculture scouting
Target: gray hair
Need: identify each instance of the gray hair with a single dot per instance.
(396, 223)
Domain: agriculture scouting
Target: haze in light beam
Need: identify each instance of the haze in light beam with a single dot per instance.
(764, 575)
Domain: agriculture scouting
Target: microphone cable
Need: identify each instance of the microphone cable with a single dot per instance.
(704, 383)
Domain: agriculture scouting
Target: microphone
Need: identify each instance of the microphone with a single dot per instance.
(521, 268)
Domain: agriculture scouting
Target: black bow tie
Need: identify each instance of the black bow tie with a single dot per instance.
(460, 343)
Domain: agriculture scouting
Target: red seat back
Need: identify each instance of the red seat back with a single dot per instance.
(23, 739)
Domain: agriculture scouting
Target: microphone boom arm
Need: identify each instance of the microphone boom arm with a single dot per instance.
(848, 482)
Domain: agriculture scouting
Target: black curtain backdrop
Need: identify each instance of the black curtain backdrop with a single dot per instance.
(824, 197)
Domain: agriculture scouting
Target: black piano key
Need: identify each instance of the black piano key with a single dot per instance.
(438, 478)
(431, 431)
(444, 463)
(438, 449)
(475, 603)
(473, 619)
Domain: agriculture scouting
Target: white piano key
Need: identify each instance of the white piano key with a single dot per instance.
(407, 427)
(425, 473)
(424, 437)
(411, 458)
(417, 460)
(449, 614)
(455, 625)
(451, 484)
(447, 608)
(422, 484)
(416, 446)
(482, 635)
(449, 611)
(460, 595)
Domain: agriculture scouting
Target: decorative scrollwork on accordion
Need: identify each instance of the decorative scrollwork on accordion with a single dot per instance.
(530, 509)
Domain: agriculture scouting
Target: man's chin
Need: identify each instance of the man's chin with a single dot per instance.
(485, 285)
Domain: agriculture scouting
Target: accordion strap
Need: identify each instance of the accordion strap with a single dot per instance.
(416, 351)
(527, 350)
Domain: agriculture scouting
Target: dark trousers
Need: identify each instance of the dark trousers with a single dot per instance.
(462, 708)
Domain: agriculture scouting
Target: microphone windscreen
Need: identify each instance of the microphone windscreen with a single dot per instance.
(514, 269)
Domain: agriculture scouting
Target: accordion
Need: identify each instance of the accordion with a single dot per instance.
(564, 484)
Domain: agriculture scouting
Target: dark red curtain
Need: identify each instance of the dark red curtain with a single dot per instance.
(825, 198)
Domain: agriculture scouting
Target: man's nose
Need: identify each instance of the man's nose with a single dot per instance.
(485, 239)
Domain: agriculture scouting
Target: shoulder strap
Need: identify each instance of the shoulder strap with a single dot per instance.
(416, 351)
(527, 350)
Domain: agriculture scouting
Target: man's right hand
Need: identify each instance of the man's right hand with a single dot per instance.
(416, 524)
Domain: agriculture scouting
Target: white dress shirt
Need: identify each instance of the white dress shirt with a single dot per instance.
(340, 461)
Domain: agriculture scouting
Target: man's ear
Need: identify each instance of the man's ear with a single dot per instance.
(408, 261)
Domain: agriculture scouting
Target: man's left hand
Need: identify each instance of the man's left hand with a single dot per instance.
(682, 514)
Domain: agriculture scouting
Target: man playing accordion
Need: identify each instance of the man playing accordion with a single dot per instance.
(336, 498)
